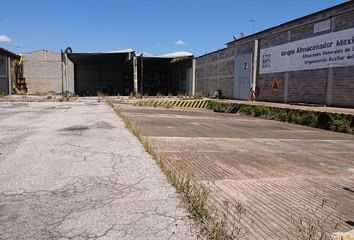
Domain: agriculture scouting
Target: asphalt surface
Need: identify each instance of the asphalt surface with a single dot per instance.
(279, 171)
(73, 171)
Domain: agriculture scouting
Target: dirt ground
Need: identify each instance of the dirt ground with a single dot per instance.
(279, 171)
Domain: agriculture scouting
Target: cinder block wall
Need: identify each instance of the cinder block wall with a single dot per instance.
(309, 86)
(332, 87)
(216, 71)
(43, 72)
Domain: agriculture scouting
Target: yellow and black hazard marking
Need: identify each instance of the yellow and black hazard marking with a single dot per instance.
(173, 103)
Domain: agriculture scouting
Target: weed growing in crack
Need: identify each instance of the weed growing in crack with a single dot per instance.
(313, 224)
(231, 219)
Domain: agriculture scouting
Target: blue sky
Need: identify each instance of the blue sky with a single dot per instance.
(153, 26)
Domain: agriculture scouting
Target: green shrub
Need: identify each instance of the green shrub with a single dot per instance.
(214, 105)
(341, 123)
(308, 119)
(281, 115)
(247, 109)
(261, 111)
(335, 122)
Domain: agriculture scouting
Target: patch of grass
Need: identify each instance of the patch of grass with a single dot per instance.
(135, 95)
(331, 121)
(303, 118)
(232, 215)
(314, 225)
(182, 96)
(65, 99)
(215, 105)
(195, 195)
(341, 124)
(198, 95)
(101, 94)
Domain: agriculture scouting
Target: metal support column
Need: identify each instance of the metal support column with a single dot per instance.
(9, 74)
(135, 73)
(141, 74)
(193, 76)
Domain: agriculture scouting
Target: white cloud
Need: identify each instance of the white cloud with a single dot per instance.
(180, 42)
(4, 38)
(8, 20)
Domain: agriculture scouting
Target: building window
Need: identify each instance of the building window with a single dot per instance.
(3, 66)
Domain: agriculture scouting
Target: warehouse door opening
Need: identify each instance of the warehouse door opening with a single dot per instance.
(4, 81)
(106, 73)
(165, 75)
(243, 76)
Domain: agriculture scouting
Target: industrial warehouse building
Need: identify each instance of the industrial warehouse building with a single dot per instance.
(123, 72)
(8, 62)
(308, 60)
(113, 73)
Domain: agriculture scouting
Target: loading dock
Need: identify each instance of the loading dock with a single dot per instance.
(8, 61)
(166, 75)
(124, 72)
(109, 73)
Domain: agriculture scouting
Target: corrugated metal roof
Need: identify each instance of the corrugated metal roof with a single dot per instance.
(177, 55)
(170, 55)
(128, 50)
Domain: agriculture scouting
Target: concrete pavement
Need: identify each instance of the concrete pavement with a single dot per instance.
(73, 171)
(279, 171)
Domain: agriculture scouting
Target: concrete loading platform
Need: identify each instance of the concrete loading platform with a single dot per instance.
(330, 118)
(279, 171)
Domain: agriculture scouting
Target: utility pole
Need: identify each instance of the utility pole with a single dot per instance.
(253, 22)
(9, 74)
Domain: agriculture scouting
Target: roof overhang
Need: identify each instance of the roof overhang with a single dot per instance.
(8, 53)
(118, 57)
(165, 60)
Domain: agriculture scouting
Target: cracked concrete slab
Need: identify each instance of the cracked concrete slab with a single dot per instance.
(73, 171)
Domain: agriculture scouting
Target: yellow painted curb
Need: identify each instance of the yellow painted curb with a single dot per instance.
(174, 103)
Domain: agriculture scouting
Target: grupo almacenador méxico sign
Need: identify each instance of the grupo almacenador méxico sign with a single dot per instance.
(335, 49)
